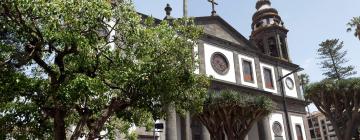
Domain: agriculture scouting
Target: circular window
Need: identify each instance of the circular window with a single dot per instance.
(289, 83)
(219, 63)
(277, 128)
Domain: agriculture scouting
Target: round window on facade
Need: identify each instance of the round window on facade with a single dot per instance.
(289, 83)
(277, 129)
(219, 63)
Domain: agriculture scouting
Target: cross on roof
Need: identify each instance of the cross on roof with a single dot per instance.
(213, 3)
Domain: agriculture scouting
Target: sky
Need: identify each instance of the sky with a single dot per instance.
(310, 22)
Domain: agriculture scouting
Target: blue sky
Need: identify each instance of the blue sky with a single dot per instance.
(310, 22)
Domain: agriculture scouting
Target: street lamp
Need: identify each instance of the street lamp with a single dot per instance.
(157, 128)
(284, 99)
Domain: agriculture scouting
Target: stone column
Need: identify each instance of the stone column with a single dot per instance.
(264, 129)
(205, 133)
(187, 127)
(171, 128)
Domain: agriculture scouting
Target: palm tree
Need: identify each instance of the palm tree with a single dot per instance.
(354, 24)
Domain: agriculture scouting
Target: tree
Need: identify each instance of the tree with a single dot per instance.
(354, 24)
(339, 101)
(304, 79)
(337, 97)
(233, 113)
(66, 73)
(334, 59)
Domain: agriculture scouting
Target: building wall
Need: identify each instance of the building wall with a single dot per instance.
(298, 120)
(209, 50)
(321, 127)
(234, 75)
(219, 38)
(277, 117)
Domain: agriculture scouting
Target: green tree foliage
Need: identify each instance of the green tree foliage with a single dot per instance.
(63, 75)
(304, 79)
(233, 113)
(339, 101)
(337, 97)
(334, 59)
(354, 24)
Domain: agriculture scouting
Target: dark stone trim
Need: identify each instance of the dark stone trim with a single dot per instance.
(201, 57)
(227, 25)
(295, 105)
(237, 68)
(229, 44)
(278, 73)
(272, 12)
(287, 48)
(278, 45)
(267, 29)
(258, 73)
(251, 50)
(297, 85)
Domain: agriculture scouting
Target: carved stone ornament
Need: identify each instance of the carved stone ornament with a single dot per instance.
(277, 129)
(219, 63)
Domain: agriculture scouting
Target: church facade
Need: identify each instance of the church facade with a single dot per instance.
(260, 65)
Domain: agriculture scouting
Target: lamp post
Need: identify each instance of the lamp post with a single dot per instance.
(185, 8)
(304, 81)
(157, 128)
(284, 99)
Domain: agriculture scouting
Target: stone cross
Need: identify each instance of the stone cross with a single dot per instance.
(213, 3)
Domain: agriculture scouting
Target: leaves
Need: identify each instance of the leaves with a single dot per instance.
(233, 113)
(339, 101)
(354, 24)
(304, 79)
(93, 61)
(334, 59)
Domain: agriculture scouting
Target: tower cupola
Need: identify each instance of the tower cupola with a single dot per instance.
(268, 31)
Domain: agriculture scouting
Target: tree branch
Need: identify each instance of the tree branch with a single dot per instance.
(85, 114)
(116, 104)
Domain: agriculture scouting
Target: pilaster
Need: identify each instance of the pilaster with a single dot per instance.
(171, 127)
(264, 129)
(186, 130)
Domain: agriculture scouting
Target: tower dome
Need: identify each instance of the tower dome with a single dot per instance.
(265, 15)
(268, 31)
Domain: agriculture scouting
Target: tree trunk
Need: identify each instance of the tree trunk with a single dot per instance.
(348, 133)
(357, 135)
(59, 125)
(98, 125)
(217, 136)
(241, 137)
(236, 135)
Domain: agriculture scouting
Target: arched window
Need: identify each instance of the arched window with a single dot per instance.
(268, 78)
(261, 46)
(299, 132)
(259, 24)
(247, 71)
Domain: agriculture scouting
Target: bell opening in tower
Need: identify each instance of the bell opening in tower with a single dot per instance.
(284, 49)
(272, 47)
(261, 46)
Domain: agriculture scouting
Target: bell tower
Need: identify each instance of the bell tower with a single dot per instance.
(268, 31)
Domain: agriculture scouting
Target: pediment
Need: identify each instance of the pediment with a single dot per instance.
(216, 26)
